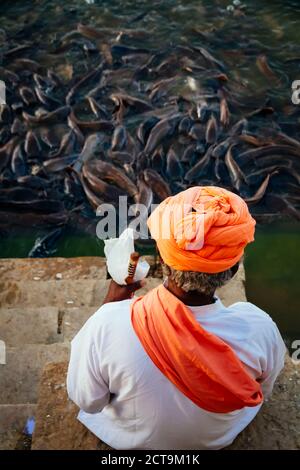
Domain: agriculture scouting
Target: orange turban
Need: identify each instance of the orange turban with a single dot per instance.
(203, 229)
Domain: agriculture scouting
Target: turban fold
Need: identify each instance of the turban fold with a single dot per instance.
(203, 229)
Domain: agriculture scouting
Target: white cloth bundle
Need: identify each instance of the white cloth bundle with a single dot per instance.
(117, 252)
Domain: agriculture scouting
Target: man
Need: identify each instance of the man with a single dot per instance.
(176, 369)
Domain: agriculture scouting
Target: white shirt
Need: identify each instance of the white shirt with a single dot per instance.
(128, 403)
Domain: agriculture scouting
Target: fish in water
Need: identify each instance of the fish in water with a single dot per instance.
(92, 148)
(211, 131)
(48, 117)
(18, 161)
(99, 111)
(67, 145)
(200, 168)
(32, 145)
(110, 172)
(91, 125)
(145, 128)
(264, 67)
(185, 125)
(47, 245)
(224, 113)
(197, 131)
(135, 104)
(93, 199)
(144, 195)
(174, 168)
(102, 189)
(259, 194)
(162, 130)
(236, 175)
(60, 163)
(282, 205)
(96, 113)
(28, 96)
(158, 185)
(119, 138)
(93, 74)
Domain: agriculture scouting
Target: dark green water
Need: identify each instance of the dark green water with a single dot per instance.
(272, 271)
(272, 262)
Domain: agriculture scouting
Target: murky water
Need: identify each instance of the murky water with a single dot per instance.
(272, 271)
(271, 27)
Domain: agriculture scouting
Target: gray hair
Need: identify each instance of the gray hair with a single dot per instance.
(203, 283)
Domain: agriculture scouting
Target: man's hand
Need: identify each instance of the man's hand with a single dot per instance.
(116, 292)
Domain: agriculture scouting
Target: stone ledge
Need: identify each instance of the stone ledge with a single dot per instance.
(77, 292)
(21, 374)
(25, 325)
(15, 416)
(57, 427)
(13, 419)
(36, 291)
(46, 269)
(22, 269)
(276, 427)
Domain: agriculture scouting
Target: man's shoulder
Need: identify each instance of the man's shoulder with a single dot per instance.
(260, 322)
(247, 307)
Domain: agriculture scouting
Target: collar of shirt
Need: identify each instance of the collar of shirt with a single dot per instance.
(201, 311)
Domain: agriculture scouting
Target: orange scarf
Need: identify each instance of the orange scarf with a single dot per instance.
(202, 366)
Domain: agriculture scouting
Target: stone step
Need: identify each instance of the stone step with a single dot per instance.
(86, 292)
(57, 426)
(62, 293)
(12, 439)
(25, 325)
(13, 419)
(19, 377)
(85, 267)
(38, 293)
(21, 269)
(53, 281)
(15, 416)
(73, 319)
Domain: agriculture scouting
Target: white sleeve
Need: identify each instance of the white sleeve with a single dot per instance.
(87, 388)
(275, 361)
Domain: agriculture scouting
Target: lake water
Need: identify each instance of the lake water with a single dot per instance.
(272, 262)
